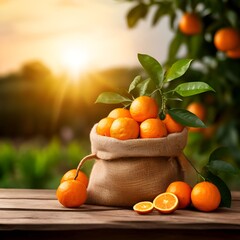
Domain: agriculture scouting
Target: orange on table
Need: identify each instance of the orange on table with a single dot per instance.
(143, 107)
(234, 54)
(153, 128)
(183, 192)
(205, 196)
(71, 193)
(166, 203)
(143, 207)
(119, 112)
(190, 24)
(124, 128)
(226, 39)
(171, 125)
(104, 125)
(70, 175)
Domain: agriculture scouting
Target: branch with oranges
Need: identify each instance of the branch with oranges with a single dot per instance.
(157, 88)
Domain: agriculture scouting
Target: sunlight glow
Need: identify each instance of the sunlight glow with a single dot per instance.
(74, 61)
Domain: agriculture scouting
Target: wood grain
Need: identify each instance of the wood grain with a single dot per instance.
(38, 210)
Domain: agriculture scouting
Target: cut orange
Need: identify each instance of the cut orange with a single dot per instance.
(143, 207)
(166, 203)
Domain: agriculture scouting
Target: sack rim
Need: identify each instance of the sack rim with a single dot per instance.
(101, 145)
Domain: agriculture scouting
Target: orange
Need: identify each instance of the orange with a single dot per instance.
(143, 207)
(104, 125)
(71, 193)
(71, 174)
(143, 107)
(190, 24)
(152, 128)
(119, 112)
(234, 54)
(205, 196)
(166, 202)
(183, 192)
(226, 39)
(124, 128)
(171, 125)
(199, 110)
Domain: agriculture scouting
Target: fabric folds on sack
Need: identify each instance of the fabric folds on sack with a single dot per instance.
(130, 171)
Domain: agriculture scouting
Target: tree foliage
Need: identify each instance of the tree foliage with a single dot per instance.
(211, 66)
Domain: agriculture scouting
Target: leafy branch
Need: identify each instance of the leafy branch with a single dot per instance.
(158, 86)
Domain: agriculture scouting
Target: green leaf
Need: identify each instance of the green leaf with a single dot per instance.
(111, 98)
(226, 197)
(232, 18)
(134, 83)
(192, 88)
(136, 13)
(219, 153)
(175, 44)
(152, 67)
(219, 166)
(143, 87)
(177, 69)
(185, 118)
(164, 8)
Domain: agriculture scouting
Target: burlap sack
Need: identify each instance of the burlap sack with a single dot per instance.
(127, 172)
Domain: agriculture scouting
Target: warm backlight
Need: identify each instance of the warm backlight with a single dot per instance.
(74, 61)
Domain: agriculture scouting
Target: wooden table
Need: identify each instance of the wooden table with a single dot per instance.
(36, 214)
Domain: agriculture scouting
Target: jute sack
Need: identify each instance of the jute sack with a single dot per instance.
(126, 172)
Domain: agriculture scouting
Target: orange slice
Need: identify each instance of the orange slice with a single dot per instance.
(166, 203)
(143, 207)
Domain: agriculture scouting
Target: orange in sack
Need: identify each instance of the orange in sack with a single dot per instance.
(183, 192)
(144, 207)
(71, 193)
(205, 196)
(124, 129)
(171, 125)
(119, 112)
(104, 125)
(128, 172)
(153, 128)
(71, 174)
(166, 203)
(143, 107)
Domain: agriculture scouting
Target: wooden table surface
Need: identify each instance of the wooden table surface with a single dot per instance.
(36, 214)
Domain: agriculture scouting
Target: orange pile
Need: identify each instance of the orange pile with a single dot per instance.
(140, 121)
(204, 196)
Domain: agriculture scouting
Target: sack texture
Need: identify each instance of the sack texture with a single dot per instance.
(130, 171)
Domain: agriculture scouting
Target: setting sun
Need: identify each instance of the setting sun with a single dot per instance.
(74, 61)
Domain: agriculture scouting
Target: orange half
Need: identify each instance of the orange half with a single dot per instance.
(143, 207)
(166, 203)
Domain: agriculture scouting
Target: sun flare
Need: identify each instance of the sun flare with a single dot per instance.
(74, 61)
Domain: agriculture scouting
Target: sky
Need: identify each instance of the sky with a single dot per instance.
(70, 35)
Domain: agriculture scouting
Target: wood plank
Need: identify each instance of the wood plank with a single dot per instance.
(12, 193)
(89, 216)
(37, 210)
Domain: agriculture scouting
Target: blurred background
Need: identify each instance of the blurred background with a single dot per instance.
(56, 56)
